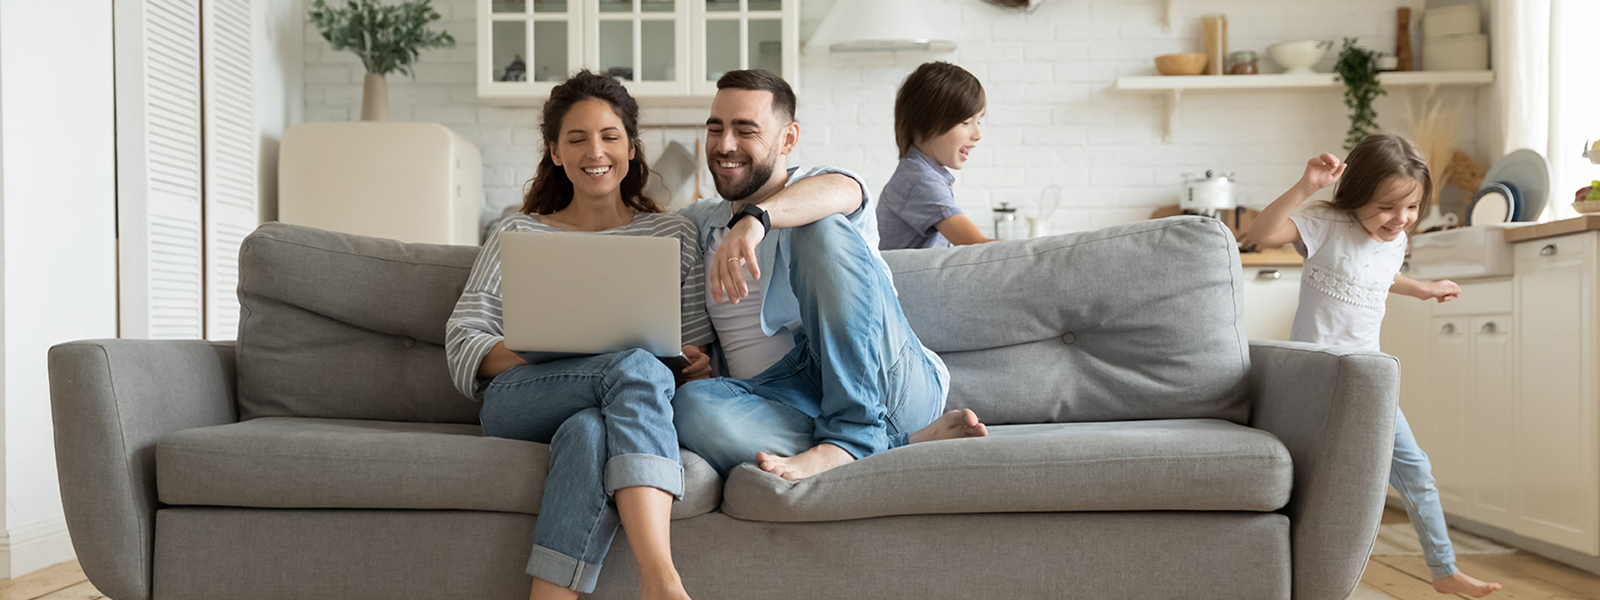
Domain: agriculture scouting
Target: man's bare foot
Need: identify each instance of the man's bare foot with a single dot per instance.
(952, 425)
(1461, 583)
(805, 464)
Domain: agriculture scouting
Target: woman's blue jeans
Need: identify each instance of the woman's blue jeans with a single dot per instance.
(1412, 474)
(856, 378)
(608, 421)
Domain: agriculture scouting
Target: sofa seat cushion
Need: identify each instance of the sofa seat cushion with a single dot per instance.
(1188, 464)
(284, 462)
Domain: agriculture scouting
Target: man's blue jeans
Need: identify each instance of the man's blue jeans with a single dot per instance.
(1412, 474)
(856, 378)
(608, 420)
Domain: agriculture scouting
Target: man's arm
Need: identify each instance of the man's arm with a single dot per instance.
(801, 203)
(809, 200)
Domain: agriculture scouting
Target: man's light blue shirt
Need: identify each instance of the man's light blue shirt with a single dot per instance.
(779, 307)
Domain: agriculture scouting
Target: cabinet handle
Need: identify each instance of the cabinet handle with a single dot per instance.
(1548, 250)
(1269, 274)
(1448, 329)
(1488, 327)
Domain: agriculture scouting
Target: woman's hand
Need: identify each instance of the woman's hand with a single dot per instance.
(1321, 172)
(738, 249)
(1443, 290)
(699, 364)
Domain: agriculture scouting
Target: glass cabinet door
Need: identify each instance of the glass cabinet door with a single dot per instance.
(527, 47)
(745, 34)
(644, 43)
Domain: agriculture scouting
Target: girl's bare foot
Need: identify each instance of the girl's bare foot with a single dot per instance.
(952, 425)
(657, 588)
(805, 464)
(1461, 583)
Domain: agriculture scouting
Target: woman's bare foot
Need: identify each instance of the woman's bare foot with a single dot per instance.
(805, 464)
(952, 425)
(1461, 583)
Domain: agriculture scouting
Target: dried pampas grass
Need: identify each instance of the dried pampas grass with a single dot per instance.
(1433, 130)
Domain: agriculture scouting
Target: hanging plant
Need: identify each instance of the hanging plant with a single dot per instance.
(387, 38)
(1358, 69)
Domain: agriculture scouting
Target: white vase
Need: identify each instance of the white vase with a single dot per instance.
(375, 98)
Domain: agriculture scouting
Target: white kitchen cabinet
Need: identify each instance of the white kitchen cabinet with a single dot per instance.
(1456, 388)
(660, 49)
(1557, 481)
(1271, 295)
(1500, 389)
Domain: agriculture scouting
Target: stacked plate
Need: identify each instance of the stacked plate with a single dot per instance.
(1515, 189)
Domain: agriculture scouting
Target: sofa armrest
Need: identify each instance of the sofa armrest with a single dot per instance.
(1334, 409)
(111, 401)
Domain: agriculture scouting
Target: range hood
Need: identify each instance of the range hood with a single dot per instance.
(877, 26)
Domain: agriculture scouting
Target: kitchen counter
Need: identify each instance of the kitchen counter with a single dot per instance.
(1275, 257)
(1577, 224)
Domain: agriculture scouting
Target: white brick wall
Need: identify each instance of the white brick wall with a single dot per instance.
(1053, 116)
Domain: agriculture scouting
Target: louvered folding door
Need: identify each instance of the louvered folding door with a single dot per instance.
(186, 164)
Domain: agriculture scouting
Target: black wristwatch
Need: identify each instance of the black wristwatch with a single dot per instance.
(751, 210)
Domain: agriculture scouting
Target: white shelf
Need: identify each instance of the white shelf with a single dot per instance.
(1159, 83)
(1174, 86)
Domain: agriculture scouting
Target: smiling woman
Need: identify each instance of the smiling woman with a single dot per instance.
(613, 450)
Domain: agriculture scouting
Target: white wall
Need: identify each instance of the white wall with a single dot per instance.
(1053, 117)
(279, 85)
(57, 206)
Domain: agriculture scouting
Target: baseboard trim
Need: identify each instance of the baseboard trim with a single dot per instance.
(1569, 557)
(34, 546)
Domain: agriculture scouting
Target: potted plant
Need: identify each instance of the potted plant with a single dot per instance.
(1358, 69)
(386, 37)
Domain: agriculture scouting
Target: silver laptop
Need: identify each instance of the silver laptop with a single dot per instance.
(569, 294)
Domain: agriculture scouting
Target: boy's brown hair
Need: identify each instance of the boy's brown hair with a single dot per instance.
(1375, 159)
(933, 99)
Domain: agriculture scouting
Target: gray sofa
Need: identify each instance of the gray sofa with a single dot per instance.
(1140, 448)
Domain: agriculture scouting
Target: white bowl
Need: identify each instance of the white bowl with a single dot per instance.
(1298, 56)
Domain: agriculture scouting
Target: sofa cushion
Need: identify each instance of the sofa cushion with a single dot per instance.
(330, 463)
(1138, 321)
(1193, 464)
(344, 326)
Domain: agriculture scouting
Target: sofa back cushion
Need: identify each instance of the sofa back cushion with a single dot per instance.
(1138, 321)
(342, 326)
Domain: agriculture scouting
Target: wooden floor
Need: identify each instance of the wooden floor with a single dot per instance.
(1525, 576)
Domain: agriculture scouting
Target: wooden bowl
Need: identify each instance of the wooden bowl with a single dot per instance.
(1183, 63)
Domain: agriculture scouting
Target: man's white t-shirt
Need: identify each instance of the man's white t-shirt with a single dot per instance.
(1345, 281)
(748, 350)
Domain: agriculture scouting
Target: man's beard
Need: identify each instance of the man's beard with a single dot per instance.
(754, 178)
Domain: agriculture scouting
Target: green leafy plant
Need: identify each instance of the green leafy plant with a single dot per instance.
(1358, 69)
(386, 37)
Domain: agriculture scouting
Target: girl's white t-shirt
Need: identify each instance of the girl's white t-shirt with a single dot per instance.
(1345, 281)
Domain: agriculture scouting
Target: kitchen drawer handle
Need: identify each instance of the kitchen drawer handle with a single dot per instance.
(1548, 250)
(1269, 274)
(1448, 329)
(1489, 327)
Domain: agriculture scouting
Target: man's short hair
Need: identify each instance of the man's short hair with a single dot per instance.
(933, 99)
(762, 80)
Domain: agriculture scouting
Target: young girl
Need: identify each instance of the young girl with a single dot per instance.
(1353, 247)
(936, 117)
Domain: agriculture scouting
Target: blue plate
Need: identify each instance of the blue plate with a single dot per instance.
(1495, 203)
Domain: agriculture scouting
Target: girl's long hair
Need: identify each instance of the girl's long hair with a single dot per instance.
(1375, 159)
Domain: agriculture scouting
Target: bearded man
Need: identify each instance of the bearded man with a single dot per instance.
(822, 367)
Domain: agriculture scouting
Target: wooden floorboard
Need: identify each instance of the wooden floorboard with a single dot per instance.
(82, 591)
(41, 583)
